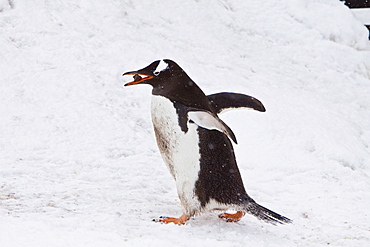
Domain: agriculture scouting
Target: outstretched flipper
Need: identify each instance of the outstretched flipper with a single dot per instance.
(223, 101)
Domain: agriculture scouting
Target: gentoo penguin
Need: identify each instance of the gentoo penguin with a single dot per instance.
(195, 144)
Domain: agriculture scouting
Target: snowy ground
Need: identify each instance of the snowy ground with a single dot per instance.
(78, 161)
(363, 15)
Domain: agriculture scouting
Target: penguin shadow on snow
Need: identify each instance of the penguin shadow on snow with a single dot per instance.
(196, 145)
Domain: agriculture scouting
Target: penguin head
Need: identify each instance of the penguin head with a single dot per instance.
(157, 73)
(170, 80)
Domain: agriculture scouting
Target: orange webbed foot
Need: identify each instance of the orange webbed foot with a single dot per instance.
(178, 221)
(232, 217)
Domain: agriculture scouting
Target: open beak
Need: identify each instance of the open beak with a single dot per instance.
(138, 78)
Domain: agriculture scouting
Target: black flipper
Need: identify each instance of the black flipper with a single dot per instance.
(222, 101)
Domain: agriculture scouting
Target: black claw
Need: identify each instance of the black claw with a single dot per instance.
(159, 219)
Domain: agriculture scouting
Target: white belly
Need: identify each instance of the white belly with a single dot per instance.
(179, 150)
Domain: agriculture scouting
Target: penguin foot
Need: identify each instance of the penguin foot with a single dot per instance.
(232, 217)
(178, 221)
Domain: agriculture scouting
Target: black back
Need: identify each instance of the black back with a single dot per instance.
(219, 176)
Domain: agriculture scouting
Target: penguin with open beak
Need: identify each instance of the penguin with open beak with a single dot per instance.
(196, 146)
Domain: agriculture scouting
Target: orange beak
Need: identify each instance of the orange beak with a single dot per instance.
(138, 78)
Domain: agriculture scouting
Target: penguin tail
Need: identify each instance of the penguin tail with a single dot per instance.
(265, 214)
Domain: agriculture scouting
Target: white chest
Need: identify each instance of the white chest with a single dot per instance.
(179, 150)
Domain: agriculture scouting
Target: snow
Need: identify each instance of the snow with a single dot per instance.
(363, 15)
(79, 165)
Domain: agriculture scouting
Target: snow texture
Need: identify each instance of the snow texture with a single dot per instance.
(363, 15)
(79, 165)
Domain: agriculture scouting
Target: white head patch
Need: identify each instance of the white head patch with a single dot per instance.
(161, 66)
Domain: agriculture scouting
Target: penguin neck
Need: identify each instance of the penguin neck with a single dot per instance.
(183, 90)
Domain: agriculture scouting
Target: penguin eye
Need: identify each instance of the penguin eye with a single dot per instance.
(156, 73)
